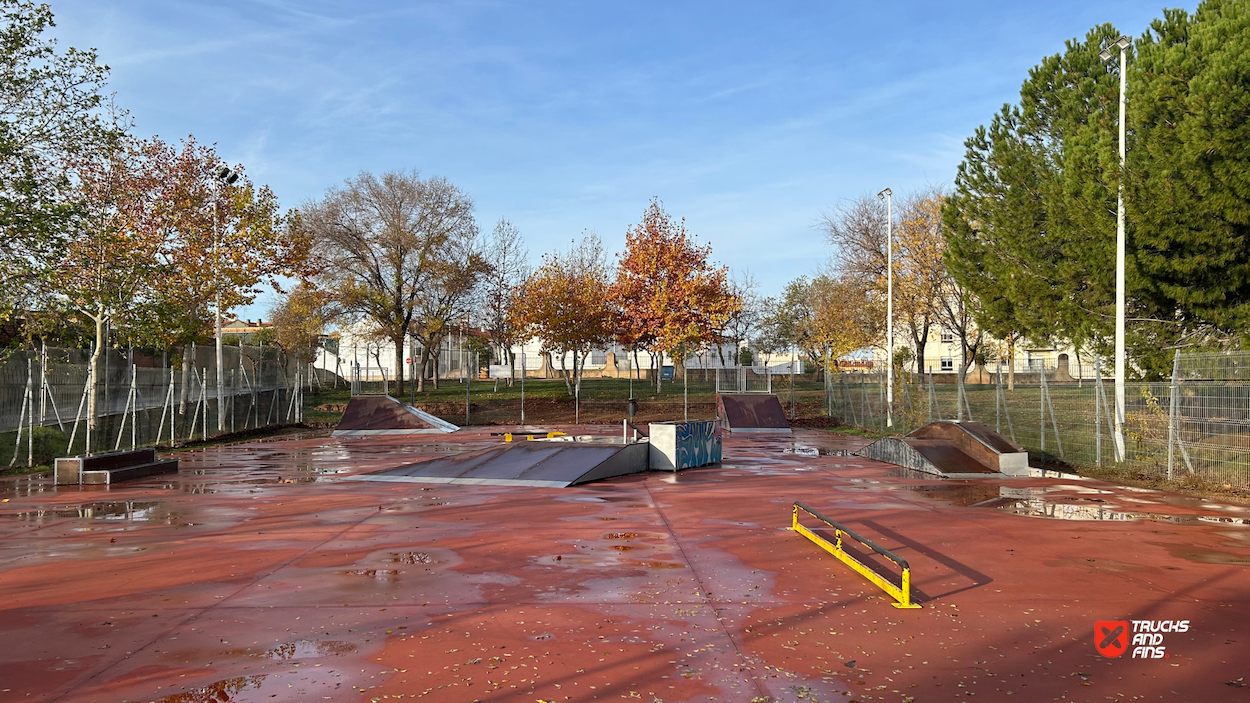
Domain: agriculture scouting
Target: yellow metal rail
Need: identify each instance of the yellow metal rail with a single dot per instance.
(507, 436)
(901, 593)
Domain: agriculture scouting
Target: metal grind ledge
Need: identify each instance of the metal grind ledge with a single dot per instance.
(540, 463)
(952, 450)
(375, 415)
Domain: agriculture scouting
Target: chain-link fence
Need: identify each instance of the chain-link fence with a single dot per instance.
(1195, 424)
(143, 398)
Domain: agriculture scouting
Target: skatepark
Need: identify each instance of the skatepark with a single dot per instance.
(269, 570)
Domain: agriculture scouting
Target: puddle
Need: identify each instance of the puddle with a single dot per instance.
(126, 511)
(301, 649)
(411, 558)
(963, 494)
(378, 574)
(223, 690)
(807, 450)
(1202, 555)
(1086, 505)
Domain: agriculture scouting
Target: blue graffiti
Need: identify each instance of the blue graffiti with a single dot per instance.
(698, 444)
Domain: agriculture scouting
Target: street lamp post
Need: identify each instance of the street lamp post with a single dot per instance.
(225, 176)
(887, 195)
(1106, 55)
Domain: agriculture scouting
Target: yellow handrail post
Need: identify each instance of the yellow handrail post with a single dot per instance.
(900, 593)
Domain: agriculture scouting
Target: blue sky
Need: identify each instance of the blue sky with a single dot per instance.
(747, 119)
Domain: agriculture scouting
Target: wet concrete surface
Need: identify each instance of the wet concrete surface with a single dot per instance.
(257, 574)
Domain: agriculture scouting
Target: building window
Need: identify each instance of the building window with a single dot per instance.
(1037, 363)
(598, 357)
(947, 336)
(948, 364)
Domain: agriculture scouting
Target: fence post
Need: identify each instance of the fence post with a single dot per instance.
(1176, 367)
(1174, 430)
(1097, 414)
(959, 394)
(1041, 408)
(998, 390)
(1053, 423)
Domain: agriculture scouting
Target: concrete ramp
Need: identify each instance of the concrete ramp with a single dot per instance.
(752, 412)
(540, 463)
(952, 450)
(383, 415)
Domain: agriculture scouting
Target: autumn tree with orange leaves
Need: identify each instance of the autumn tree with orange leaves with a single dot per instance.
(566, 305)
(111, 269)
(671, 299)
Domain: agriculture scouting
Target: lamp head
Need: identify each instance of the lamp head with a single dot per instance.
(884, 193)
(1122, 43)
(226, 175)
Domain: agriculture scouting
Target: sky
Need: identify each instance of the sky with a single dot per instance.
(747, 119)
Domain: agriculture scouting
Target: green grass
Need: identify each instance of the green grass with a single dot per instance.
(49, 444)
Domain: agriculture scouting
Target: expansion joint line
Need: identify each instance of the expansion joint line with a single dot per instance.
(720, 622)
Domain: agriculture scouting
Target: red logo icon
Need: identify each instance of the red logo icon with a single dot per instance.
(1111, 637)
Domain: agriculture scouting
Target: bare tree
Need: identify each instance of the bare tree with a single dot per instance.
(381, 241)
(741, 326)
(856, 230)
(509, 267)
(451, 295)
(921, 278)
(956, 311)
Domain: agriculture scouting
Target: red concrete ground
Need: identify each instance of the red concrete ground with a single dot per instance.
(258, 573)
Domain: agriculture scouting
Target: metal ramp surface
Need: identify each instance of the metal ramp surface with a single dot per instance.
(952, 450)
(752, 412)
(384, 415)
(540, 463)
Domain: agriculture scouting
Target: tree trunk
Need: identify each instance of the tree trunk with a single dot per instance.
(434, 366)
(425, 362)
(93, 409)
(564, 373)
(1011, 364)
(921, 340)
(186, 379)
(578, 366)
(512, 367)
(399, 366)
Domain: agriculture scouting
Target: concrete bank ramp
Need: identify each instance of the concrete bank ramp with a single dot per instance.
(541, 463)
(368, 415)
(952, 450)
(752, 412)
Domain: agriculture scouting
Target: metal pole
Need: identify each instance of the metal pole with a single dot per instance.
(1098, 416)
(1120, 366)
(889, 305)
(523, 385)
(464, 368)
(1176, 368)
(221, 419)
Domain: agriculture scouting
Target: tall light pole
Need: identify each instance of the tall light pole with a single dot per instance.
(887, 195)
(1120, 367)
(225, 176)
